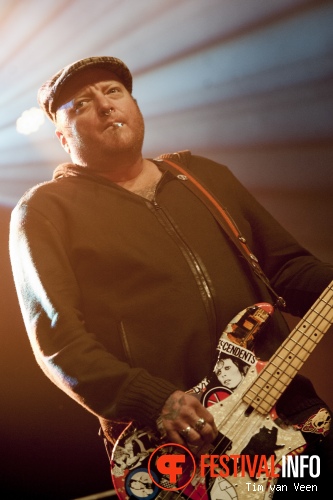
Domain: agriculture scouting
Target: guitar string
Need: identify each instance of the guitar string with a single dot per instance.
(272, 377)
(301, 348)
(226, 417)
(233, 425)
(301, 353)
(226, 432)
(188, 470)
(275, 376)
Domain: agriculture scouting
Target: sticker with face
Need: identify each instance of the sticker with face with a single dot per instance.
(230, 372)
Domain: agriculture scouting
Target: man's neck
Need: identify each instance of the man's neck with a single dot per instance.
(122, 173)
(147, 177)
(137, 177)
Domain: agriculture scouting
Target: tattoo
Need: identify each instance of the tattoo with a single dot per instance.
(172, 407)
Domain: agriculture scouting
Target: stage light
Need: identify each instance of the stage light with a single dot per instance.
(30, 121)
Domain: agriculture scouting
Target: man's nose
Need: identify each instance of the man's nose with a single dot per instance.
(104, 105)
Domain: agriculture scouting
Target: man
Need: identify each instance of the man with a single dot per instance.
(124, 277)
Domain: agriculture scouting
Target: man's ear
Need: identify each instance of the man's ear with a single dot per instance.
(63, 141)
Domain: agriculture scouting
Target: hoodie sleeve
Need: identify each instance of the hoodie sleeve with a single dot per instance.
(68, 354)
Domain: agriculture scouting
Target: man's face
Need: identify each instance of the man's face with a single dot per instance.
(85, 124)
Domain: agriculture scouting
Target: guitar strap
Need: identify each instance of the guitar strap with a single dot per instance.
(224, 219)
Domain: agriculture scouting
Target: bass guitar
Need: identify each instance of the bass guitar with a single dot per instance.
(254, 445)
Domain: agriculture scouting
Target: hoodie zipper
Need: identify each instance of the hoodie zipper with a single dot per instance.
(194, 265)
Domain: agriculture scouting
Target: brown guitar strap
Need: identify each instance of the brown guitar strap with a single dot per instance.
(225, 221)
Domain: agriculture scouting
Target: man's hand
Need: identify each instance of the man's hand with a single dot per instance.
(186, 421)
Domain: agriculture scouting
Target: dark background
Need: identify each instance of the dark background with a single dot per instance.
(247, 83)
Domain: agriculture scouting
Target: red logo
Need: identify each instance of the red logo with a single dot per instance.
(175, 464)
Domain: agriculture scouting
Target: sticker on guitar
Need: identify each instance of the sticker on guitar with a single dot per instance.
(241, 393)
(234, 359)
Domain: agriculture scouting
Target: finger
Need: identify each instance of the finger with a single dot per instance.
(195, 435)
(191, 436)
(200, 424)
(207, 416)
(202, 413)
(176, 437)
(209, 419)
(205, 430)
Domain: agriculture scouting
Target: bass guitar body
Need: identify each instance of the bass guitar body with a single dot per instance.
(246, 459)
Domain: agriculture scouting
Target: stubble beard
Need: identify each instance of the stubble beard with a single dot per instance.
(119, 148)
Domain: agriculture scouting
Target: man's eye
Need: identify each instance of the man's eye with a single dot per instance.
(79, 105)
(113, 90)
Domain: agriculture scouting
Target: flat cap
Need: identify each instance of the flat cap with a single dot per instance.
(49, 93)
